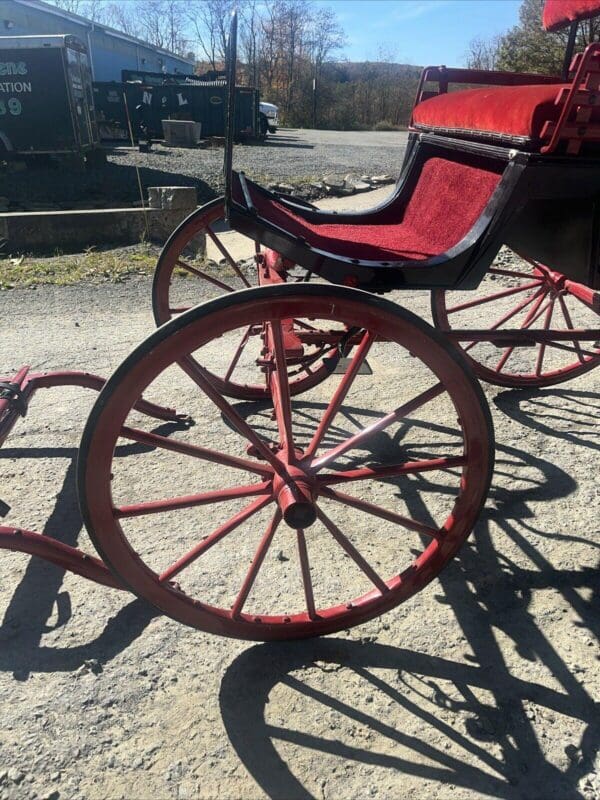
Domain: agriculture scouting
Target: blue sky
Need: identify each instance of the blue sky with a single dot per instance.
(420, 31)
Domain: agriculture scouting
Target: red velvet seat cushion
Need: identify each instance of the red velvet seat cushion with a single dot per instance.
(558, 13)
(446, 202)
(512, 113)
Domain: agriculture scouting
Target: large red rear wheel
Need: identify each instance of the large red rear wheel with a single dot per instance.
(292, 517)
(526, 297)
(182, 281)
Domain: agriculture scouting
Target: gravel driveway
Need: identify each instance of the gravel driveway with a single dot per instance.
(484, 685)
(298, 155)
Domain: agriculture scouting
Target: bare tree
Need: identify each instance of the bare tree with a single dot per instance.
(209, 20)
(94, 10)
(483, 53)
(325, 37)
(250, 40)
(161, 22)
(71, 6)
(270, 50)
(123, 18)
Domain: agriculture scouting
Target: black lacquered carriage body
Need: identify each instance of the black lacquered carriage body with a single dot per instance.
(514, 162)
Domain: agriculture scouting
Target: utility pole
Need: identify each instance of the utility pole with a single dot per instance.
(314, 103)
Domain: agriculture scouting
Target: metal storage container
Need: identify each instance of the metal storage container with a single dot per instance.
(46, 98)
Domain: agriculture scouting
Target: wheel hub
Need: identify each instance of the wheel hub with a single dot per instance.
(295, 495)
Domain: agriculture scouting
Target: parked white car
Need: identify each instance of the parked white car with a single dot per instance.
(271, 112)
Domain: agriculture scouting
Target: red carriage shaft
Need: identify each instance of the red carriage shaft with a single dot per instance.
(16, 393)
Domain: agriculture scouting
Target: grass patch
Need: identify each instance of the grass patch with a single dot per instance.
(95, 266)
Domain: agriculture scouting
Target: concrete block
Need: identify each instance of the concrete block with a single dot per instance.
(172, 197)
(74, 231)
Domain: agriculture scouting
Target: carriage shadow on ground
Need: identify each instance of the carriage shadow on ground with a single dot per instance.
(470, 724)
(39, 592)
(571, 415)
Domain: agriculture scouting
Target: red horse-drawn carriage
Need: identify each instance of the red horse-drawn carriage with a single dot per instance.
(359, 435)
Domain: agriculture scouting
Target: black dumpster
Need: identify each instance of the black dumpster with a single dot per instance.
(152, 102)
(46, 98)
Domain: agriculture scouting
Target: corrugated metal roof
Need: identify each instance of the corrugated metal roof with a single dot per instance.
(46, 8)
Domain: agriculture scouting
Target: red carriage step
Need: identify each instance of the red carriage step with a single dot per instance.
(516, 113)
(446, 201)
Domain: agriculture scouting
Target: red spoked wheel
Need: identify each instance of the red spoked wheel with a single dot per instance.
(525, 297)
(180, 282)
(291, 517)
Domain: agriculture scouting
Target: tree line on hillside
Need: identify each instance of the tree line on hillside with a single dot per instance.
(288, 49)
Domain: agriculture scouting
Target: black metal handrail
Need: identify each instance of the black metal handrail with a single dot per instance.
(230, 65)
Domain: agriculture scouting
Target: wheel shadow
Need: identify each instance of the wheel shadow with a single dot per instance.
(567, 414)
(38, 597)
(484, 725)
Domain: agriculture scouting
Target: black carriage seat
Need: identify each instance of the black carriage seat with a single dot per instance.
(531, 112)
(435, 211)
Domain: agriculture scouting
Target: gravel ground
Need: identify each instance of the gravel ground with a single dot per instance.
(485, 684)
(298, 155)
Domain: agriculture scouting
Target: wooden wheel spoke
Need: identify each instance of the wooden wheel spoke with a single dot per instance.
(341, 392)
(394, 416)
(202, 378)
(496, 296)
(305, 571)
(257, 562)
(391, 470)
(538, 297)
(205, 276)
(567, 317)
(227, 255)
(191, 500)
(382, 513)
(531, 317)
(216, 536)
(510, 273)
(349, 548)
(238, 353)
(280, 390)
(195, 451)
(566, 348)
(542, 350)
(504, 358)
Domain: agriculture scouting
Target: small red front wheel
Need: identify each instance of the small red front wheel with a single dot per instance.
(524, 297)
(292, 517)
(228, 264)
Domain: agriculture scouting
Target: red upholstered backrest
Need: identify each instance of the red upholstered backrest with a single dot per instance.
(559, 13)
